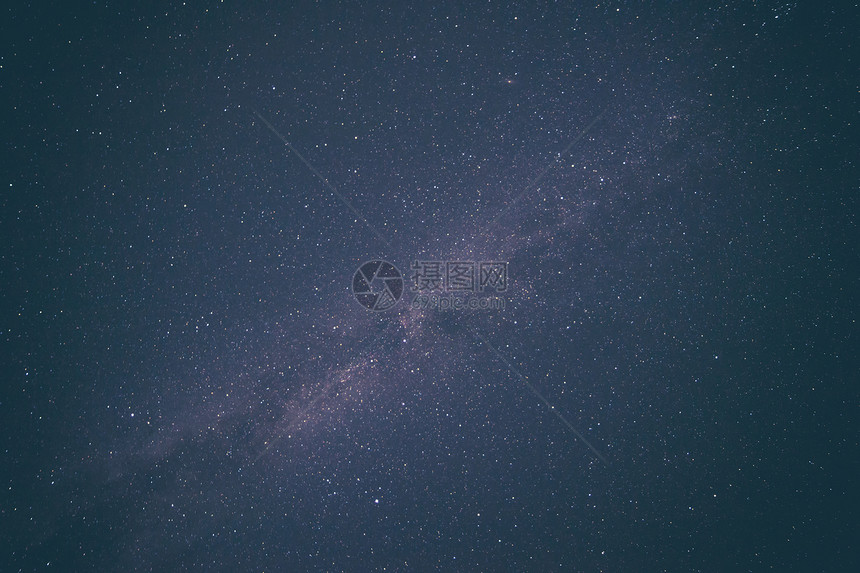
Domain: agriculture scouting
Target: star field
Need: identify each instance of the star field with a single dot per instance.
(189, 383)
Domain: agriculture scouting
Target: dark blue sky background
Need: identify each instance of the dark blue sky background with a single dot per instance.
(188, 384)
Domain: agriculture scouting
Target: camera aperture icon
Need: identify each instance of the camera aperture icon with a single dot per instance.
(377, 285)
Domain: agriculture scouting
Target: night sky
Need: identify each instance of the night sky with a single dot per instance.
(189, 383)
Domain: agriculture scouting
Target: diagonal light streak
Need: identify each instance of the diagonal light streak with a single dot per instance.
(540, 396)
(323, 179)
